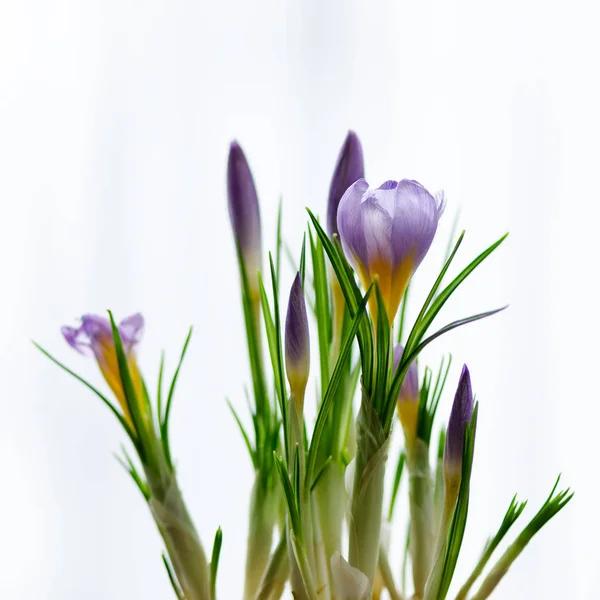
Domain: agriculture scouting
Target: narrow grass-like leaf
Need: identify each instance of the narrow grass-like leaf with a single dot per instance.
(164, 428)
(128, 465)
(322, 309)
(251, 322)
(172, 578)
(383, 351)
(214, 563)
(459, 518)
(352, 296)
(320, 473)
(278, 240)
(275, 355)
(139, 421)
(332, 387)
(159, 387)
(100, 395)
(396, 486)
(288, 492)
(512, 514)
(553, 505)
(251, 450)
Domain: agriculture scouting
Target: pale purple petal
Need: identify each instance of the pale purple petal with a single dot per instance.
(348, 169)
(415, 222)
(460, 415)
(377, 225)
(77, 339)
(385, 196)
(132, 328)
(350, 222)
(95, 332)
(410, 385)
(243, 203)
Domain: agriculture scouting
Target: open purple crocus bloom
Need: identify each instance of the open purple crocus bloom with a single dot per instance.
(94, 338)
(387, 231)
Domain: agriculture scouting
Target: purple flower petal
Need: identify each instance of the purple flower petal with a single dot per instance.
(415, 222)
(350, 222)
(460, 415)
(377, 227)
(95, 334)
(410, 385)
(348, 169)
(132, 328)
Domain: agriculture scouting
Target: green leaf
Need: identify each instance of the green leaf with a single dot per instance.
(251, 450)
(140, 422)
(164, 428)
(290, 497)
(332, 387)
(322, 308)
(251, 322)
(397, 478)
(553, 505)
(128, 465)
(102, 397)
(159, 389)
(383, 350)
(512, 514)
(352, 296)
(459, 518)
(214, 563)
(172, 578)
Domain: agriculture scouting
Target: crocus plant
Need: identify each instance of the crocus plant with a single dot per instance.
(320, 519)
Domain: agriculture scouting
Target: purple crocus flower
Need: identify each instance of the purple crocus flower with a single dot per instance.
(348, 169)
(460, 416)
(94, 338)
(297, 343)
(408, 399)
(243, 210)
(387, 232)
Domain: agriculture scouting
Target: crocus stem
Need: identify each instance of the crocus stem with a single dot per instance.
(435, 576)
(330, 494)
(180, 537)
(276, 573)
(421, 514)
(322, 576)
(386, 575)
(263, 515)
(367, 495)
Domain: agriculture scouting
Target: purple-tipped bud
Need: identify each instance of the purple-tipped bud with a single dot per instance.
(348, 169)
(460, 416)
(297, 343)
(408, 399)
(243, 208)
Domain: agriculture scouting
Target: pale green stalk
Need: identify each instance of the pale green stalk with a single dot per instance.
(179, 534)
(322, 567)
(421, 514)
(367, 495)
(276, 573)
(262, 519)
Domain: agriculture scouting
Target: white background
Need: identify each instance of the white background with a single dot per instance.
(115, 119)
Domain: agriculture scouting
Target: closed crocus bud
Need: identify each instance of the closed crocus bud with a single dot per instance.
(387, 231)
(297, 343)
(460, 416)
(348, 169)
(244, 212)
(408, 399)
(94, 337)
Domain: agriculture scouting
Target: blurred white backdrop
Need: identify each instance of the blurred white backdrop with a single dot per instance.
(115, 118)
